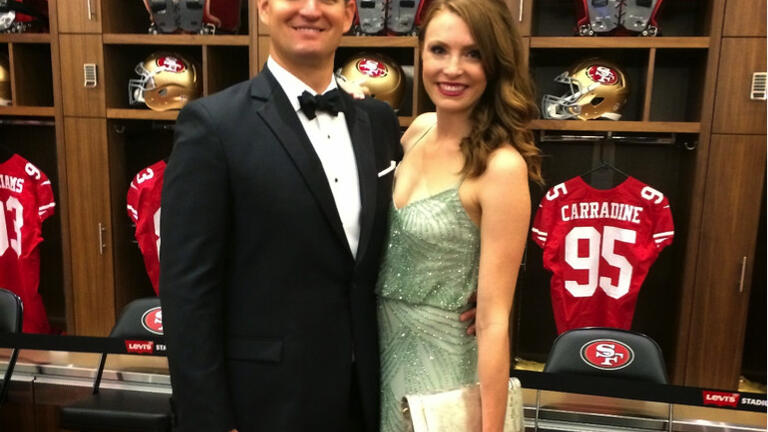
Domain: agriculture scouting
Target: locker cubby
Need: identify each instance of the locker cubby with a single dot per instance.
(133, 146)
(32, 74)
(120, 62)
(678, 83)
(132, 17)
(403, 56)
(225, 66)
(35, 141)
(546, 64)
(657, 165)
(675, 18)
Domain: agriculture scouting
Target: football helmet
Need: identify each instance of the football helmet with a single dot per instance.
(21, 16)
(617, 17)
(596, 89)
(402, 15)
(380, 74)
(193, 16)
(166, 81)
(371, 16)
(5, 81)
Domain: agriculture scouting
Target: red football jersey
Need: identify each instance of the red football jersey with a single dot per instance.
(144, 209)
(26, 200)
(599, 245)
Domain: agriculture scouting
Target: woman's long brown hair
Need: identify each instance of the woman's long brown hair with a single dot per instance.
(507, 106)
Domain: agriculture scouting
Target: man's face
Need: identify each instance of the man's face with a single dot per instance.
(306, 31)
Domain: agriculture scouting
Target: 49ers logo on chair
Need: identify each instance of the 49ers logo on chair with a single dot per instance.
(152, 320)
(171, 64)
(372, 68)
(607, 354)
(602, 74)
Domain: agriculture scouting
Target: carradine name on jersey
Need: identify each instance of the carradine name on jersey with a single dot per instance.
(601, 210)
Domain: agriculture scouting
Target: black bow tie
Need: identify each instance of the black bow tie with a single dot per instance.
(329, 102)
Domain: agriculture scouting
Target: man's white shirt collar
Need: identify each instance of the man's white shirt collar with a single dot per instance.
(292, 86)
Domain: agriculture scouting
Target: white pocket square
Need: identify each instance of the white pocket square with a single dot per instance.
(386, 170)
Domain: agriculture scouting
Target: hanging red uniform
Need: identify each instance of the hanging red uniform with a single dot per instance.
(143, 204)
(26, 200)
(599, 246)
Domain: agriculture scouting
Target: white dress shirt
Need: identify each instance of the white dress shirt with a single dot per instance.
(330, 138)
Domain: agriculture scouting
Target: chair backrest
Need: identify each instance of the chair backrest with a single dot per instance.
(10, 312)
(607, 352)
(140, 318)
(11, 318)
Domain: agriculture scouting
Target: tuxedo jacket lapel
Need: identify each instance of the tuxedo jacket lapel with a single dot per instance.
(278, 114)
(359, 127)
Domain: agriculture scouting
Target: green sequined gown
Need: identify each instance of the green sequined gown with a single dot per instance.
(428, 272)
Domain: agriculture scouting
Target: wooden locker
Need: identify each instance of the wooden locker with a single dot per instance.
(80, 16)
(90, 225)
(77, 50)
(734, 111)
(732, 205)
(744, 18)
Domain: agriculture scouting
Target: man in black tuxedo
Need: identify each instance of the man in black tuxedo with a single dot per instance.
(274, 210)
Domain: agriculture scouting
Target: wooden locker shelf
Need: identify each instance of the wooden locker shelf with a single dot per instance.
(576, 42)
(31, 111)
(140, 114)
(41, 38)
(617, 126)
(174, 39)
(380, 41)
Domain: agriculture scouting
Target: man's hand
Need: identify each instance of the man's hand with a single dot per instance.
(469, 316)
(355, 88)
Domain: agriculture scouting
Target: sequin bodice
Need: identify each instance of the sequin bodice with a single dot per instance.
(432, 253)
(428, 272)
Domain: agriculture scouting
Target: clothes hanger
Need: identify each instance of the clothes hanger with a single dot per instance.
(605, 165)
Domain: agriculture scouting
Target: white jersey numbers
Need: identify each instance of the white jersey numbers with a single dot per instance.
(652, 194)
(598, 245)
(15, 222)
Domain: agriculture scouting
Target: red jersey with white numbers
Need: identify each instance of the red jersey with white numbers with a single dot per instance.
(144, 209)
(26, 200)
(599, 246)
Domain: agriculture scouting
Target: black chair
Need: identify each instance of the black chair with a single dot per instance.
(646, 363)
(121, 410)
(606, 352)
(10, 322)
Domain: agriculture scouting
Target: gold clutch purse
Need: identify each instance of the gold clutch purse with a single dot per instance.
(458, 410)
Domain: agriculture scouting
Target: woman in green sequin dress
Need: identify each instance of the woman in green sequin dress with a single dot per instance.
(460, 213)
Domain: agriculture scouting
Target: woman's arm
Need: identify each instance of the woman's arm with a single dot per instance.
(506, 206)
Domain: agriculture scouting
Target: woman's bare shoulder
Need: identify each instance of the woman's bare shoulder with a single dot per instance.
(418, 127)
(505, 161)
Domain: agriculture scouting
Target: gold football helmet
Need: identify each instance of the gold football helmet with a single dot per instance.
(167, 81)
(5, 81)
(380, 74)
(596, 89)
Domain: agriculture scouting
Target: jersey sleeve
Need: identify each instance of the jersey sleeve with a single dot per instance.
(546, 215)
(663, 228)
(132, 202)
(46, 204)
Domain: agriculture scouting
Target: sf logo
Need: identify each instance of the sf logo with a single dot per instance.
(608, 353)
(372, 68)
(602, 74)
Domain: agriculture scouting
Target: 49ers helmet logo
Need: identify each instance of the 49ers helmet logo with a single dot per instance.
(602, 74)
(607, 354)
(152, 320)
(171, 64)
(372, 68)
